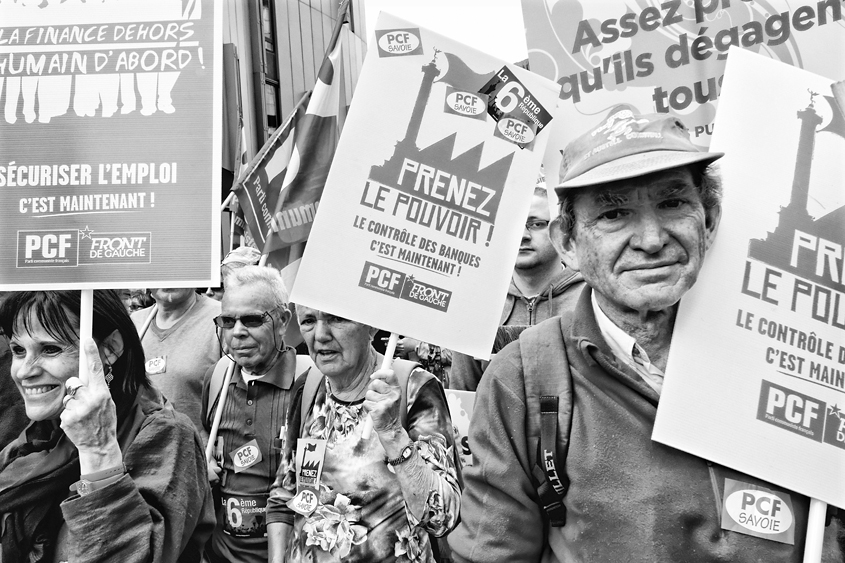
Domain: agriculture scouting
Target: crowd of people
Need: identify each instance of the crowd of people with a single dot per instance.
(236, 427)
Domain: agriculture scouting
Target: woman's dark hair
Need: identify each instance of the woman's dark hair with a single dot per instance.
(58, 313)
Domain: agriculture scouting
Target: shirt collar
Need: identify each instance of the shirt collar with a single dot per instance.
(623, 346)
(281, 374)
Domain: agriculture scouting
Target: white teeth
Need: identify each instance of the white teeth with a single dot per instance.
(30, 391)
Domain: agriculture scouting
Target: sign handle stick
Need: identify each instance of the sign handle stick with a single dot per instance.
(385, 364)
(815, 531)
(218, 414)
(148, 321)
(86, 329)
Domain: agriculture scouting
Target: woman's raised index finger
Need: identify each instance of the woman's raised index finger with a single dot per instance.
(94, 374)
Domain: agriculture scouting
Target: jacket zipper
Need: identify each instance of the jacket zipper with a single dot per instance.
(530, 304)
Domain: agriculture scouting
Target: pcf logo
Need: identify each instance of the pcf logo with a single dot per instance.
(38, 249)
(381, 279)
(398, 42)
(466, 104)
(759, 511)
(791, 410)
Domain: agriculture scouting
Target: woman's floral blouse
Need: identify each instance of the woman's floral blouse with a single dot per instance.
(362, 516)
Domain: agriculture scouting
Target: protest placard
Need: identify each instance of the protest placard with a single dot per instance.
(756, 372)
(419, 225)
(110, 121)
(666, 56)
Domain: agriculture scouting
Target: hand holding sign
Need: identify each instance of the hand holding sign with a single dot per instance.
(382, 403)
(89, 418)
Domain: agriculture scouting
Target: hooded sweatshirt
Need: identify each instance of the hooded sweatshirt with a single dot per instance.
(519, 311)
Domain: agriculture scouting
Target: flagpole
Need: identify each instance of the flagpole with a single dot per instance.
(231, 232)
(278, 132)
(227, 201)
(341, 16)
(265, 252)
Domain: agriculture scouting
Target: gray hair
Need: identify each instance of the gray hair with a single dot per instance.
(269, 277)
(705, 178)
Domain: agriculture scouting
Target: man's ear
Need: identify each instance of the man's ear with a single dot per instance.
(285, 317)
(113, 346)
(712, 217)
(564, 243)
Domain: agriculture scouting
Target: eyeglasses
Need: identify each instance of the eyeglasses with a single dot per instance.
(249, 321)
(536, 225)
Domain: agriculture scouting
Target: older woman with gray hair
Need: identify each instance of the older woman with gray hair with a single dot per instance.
(341, 495)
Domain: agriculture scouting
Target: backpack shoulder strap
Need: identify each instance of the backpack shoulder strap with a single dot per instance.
(548, 394)
(313, 380)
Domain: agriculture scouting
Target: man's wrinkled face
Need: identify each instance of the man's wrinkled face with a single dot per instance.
(640, 243)
(253, 348)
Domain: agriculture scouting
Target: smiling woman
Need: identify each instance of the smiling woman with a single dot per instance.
(98, 458)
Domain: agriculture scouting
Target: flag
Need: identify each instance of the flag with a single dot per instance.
(317, 135)
(459, 75)
(837, 120)
(239, 227)
(259, 185)
(838, 90)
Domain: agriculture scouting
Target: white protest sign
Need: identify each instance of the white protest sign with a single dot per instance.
(756, 373)
(666, 56)
(419, 225)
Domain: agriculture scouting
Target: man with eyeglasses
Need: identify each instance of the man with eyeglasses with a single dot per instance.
(251, 329)
(541, 287)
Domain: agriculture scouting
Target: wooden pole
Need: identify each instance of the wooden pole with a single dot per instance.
(149, 320)
(86, 330)
(218, 414)
(815, 531)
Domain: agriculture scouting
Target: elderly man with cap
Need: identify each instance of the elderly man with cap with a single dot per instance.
(565, 469)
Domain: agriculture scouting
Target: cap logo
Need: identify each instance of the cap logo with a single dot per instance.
(619, 125)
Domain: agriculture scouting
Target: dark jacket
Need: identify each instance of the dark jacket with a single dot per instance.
(160, 511)
(630, 499)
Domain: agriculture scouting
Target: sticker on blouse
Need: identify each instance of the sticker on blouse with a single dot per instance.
(310, 455)
(246, 456)
(157, 365)
(246, 515)
(305, 502)
(758, 511)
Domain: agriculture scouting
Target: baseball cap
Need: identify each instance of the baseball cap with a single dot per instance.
(626, 145)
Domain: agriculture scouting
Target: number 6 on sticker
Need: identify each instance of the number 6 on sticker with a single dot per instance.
(506, 100)
(233, 513)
